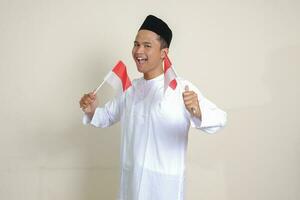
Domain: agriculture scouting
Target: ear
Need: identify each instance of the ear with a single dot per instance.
(164, 52)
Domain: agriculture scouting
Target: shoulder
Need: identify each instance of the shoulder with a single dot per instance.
(184, 82)
(136, 81)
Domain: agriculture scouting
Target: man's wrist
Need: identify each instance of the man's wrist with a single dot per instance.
(90, 114)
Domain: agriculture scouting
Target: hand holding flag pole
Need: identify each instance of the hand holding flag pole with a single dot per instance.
(117, 78)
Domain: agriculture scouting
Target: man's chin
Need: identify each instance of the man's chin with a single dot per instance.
(140, 68)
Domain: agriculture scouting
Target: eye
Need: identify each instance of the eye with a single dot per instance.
(136, 45)
(147, 45)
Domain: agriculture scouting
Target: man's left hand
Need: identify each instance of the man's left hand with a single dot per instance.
(191, 102)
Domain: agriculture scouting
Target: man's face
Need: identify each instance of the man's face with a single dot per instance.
(147, 53)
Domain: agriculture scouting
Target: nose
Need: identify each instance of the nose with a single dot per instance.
(139, 49)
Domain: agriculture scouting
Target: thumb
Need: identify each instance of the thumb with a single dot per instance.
(186, 88)
(92, 95)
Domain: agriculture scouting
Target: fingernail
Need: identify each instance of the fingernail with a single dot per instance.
(186, 88)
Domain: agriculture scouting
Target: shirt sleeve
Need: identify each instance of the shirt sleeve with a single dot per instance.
(212, 117)
(107, 115)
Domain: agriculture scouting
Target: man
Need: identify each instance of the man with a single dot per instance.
(155, 124)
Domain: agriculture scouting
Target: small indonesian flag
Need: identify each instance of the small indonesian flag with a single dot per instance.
(170, 75)
(117, 78)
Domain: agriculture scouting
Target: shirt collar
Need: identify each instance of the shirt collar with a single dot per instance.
(156, 79)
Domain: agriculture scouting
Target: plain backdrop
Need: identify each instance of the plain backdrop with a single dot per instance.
(243, 55)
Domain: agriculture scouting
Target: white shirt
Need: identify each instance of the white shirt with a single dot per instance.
(154, 136)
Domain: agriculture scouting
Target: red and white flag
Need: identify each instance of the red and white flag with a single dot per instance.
(169, 74)
(117, 78)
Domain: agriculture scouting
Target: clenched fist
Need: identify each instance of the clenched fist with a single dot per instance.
(88, 103)
(191, 102)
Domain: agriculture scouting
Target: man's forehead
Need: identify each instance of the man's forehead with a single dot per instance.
(146, 36)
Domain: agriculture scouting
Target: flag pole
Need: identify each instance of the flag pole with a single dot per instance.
(105, 79)
(96, 90)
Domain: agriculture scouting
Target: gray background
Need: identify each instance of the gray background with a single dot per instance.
(243, 55)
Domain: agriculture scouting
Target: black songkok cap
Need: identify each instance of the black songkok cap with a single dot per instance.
(157, 26)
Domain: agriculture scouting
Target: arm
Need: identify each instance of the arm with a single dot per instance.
(205, 115)
(100, 116)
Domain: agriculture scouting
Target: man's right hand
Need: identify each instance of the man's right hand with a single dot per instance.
(88, 103)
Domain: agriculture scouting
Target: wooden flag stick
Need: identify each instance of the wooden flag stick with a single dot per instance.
(105, 79)
(96, 90)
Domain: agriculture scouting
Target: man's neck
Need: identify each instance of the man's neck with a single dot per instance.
(152, 76)
(155, 73)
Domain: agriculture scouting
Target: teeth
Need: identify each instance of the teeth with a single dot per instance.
(141, 60)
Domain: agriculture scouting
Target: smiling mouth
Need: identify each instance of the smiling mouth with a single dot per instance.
(141, 61)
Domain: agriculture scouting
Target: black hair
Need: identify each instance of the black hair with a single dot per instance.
(163, 43)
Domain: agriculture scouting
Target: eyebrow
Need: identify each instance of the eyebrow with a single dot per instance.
(143, 42)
